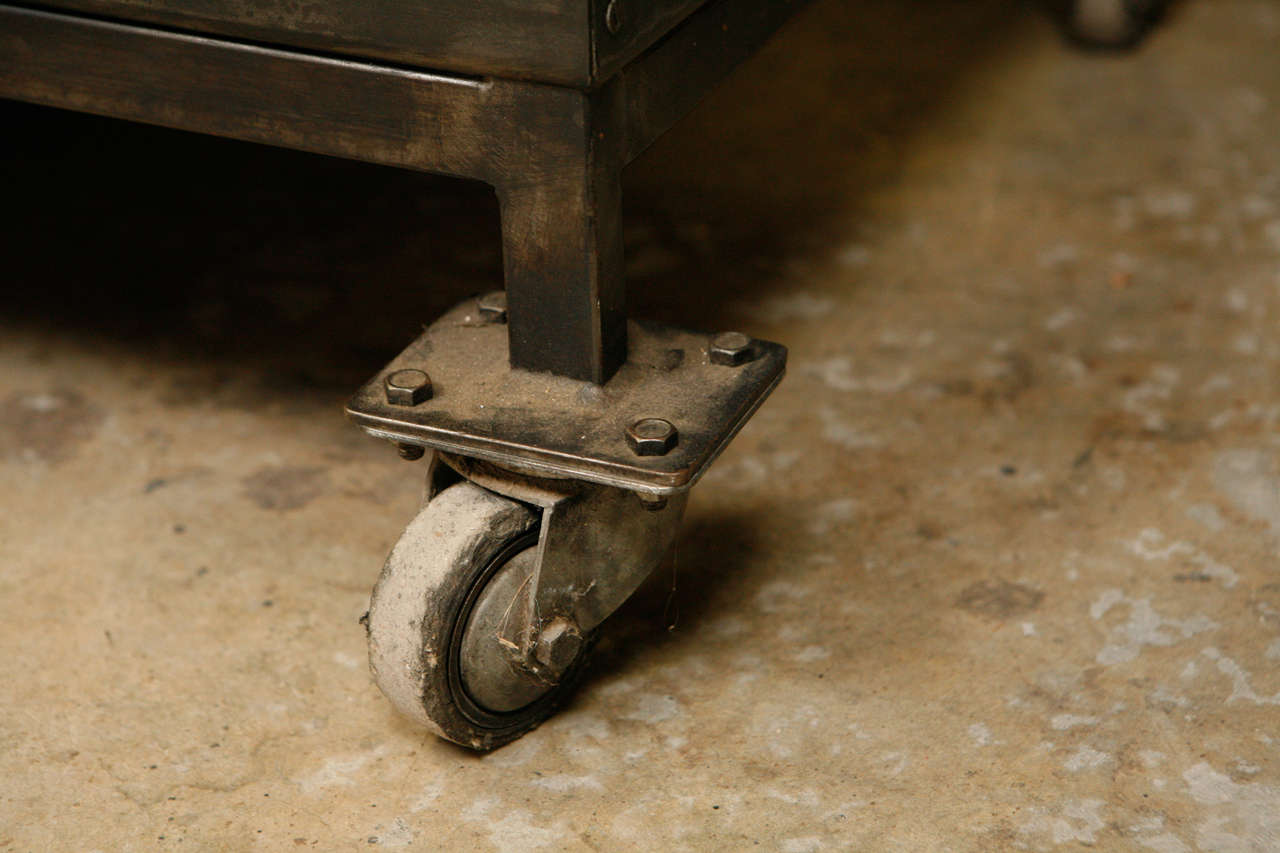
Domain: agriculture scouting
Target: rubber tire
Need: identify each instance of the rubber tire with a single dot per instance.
(420, 605)
(1109, 24)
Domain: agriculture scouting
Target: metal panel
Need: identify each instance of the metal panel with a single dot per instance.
(656, 90)
(553, 153)
(545, 40)
(623, 29)
(451, 125)
(567, 42)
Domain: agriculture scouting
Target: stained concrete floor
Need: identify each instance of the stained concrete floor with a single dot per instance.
(996, 568)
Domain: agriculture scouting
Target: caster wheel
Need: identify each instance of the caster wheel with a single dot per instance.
(1110, 24)
(438, 612)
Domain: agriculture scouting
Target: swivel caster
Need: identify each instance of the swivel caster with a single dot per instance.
(440, 612)
(549, 500)
(482, 618)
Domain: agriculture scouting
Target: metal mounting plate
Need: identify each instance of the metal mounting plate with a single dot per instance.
(555, 426)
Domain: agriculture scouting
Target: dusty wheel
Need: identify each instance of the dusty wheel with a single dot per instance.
(1110, 23)
(436, 613)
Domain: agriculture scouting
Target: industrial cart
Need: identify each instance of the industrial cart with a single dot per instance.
(560, 438)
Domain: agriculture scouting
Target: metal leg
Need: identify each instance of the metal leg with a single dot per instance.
(554, 153)
(562, 253)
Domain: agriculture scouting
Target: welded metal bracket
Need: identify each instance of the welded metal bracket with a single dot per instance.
(596, 544)
(465, 399)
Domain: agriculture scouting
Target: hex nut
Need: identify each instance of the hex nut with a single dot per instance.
(652, 437)
(493, 307)
(731, 349)
(408, 387)
(558, 645)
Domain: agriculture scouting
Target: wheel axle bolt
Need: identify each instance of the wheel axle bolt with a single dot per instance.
(408, 387)
(493, 307)
(559, 644)
(652, 437)
(731, 349)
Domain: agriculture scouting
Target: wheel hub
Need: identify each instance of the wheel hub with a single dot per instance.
(492, 672)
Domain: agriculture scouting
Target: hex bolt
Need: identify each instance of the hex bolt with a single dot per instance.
(731, 349)
(559, 644)
(652, 437)
(493, 307)
(408, 387)
(613, 17)
(410, 452)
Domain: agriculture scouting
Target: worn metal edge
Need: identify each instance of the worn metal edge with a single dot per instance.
(539, 460)
(741, 421)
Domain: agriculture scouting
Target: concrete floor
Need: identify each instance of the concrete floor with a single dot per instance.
(996, 568)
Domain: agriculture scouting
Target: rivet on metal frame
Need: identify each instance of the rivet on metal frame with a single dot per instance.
(613, 17)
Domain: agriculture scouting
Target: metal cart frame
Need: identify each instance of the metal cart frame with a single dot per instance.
(554, 153)
(547, 411)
